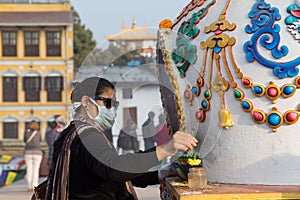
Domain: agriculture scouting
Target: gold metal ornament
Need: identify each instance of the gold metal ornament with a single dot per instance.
(225, 118)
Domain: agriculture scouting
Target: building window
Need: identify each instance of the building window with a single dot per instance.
(32, 88)
(54, 86)
(53, 43)
(127, 93)
(10, 130)
(31, 43)
(9, 43)
(10, 89)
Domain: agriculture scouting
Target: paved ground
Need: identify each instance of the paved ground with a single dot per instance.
(15, 191)
(18, 191)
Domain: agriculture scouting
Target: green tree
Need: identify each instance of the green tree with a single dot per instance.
(84, 49)
(83, 42)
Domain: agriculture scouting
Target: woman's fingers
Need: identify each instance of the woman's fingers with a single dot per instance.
(184, 141)
(180, 141)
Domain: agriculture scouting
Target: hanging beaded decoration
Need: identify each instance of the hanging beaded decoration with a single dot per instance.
(217, 45)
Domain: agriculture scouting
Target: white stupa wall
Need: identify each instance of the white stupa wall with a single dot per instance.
(247, 152)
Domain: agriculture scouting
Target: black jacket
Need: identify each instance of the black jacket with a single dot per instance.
(98, 172)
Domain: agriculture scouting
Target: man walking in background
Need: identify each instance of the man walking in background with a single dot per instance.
(148, 131)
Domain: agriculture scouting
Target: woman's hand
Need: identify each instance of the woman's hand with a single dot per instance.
(179, 141)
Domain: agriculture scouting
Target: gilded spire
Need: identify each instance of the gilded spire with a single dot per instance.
(133, 24)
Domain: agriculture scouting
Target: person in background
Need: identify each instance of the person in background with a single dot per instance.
(60, 122)
(127, 139)
(161, 134)
(50, 136)
(32, 154)
(85, 163)
(148, 131)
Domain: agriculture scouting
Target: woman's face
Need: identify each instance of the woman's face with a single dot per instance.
(92, 108)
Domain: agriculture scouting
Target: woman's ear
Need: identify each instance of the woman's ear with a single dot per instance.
(84, 101)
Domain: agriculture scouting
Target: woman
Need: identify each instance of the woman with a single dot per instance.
(51, 135)
(93, 169)
(32, 154)
(127, 140)
(161, 135)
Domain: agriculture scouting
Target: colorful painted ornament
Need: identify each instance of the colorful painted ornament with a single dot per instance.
(215, 47)
(294, 29)
(188, 94)
(273, 91)
(263, 18)
(185, 53)
(274, 118)
(192, 5)
(294, 11)
(200, 115)
(258, 116)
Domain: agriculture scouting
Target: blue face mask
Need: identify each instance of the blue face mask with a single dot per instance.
(105, 118)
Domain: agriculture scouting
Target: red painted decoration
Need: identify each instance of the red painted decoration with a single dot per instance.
(272, 92)
(295, 13)
(200, 82)
(187, 95)
(246, 81)
(291, 116)
(298, 81)
(258, 116)
(200, 115)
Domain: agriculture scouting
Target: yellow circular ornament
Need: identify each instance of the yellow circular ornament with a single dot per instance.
(166, 23)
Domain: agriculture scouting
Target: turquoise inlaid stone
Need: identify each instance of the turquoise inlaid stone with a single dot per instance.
(246, 105)
(204, 104)
(257, 90)
(237, 94)
(195, 90)
(207, 94)
(274, 119)
(288, 90)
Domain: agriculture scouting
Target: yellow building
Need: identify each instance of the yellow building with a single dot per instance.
(36, 66)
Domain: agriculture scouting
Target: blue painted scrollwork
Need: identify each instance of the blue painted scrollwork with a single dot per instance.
(264, 30)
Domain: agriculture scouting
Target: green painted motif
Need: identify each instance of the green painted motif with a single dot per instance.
(184, 55)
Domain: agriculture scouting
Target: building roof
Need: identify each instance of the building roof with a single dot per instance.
(133, 33)
(58, 18)
(120, 74)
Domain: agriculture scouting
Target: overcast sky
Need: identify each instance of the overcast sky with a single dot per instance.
(105, 17)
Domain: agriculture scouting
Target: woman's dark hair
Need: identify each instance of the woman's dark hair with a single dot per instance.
(33, 125)
(90, 87)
